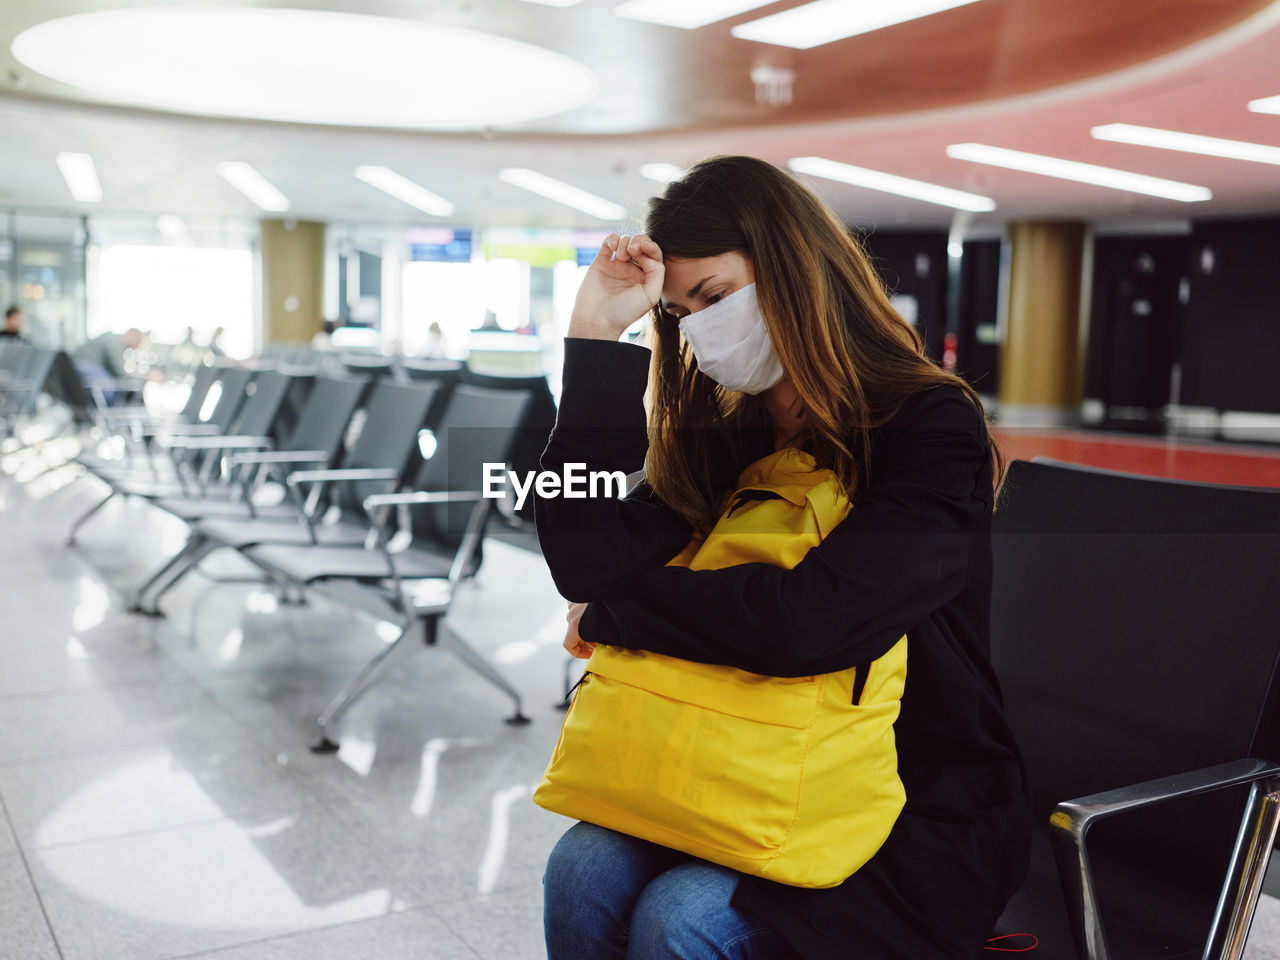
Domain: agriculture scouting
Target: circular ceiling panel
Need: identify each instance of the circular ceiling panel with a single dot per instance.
(305, 66)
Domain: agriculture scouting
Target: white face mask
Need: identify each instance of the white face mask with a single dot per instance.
(731, 343)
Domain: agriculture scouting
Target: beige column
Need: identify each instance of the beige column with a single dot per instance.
(1041, 356)
(292, 280)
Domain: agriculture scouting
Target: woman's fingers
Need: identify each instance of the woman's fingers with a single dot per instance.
(623, 284)
(573, 642)
(642, 247)
(622, 253)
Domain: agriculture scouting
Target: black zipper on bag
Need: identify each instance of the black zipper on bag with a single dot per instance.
(743, 497)
(860, 674)
(572, 690)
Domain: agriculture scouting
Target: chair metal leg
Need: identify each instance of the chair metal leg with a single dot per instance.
(481, 665)
(1245, 874)
(75, 528)
(193, 551)
(353, 690)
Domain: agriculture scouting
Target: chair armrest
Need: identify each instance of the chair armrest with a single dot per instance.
(376, 500)
(280, 456)
(1076, 816)
(187, 430)
(1070, 822)
(218, 443)
(320, 478)
(343, 473)
(462, 556)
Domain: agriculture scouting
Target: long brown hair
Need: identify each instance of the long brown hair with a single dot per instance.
(852, 358)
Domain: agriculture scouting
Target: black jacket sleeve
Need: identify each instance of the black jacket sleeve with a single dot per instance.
(902, 553)
(594, 545)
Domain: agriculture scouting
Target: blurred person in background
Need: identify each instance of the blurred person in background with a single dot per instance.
(435, 348)
(12, 323)
(323, 340)
(102, 359)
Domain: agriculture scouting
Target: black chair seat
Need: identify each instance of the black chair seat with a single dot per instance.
(246, 533)
(1147, 918)
(200, 508)
(163, 488)
(309, 564)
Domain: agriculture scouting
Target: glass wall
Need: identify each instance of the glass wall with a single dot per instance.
(192, 284)
(45, 275)
(176, 294)
(76, 277)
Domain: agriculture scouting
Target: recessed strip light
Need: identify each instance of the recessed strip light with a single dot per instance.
(555, 3)
(173, 229)
(1265, 105)
(661, 172)
(891, 183)
(81, 176)
(388, 181)
(1186, 142)
(253, 185)
(562, 192)
(686, 14)
(824, 21)
(1079, 172)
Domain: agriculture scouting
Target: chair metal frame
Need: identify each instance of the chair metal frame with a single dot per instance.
(1069, 826)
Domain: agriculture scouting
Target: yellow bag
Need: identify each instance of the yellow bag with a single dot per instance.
(791, 779)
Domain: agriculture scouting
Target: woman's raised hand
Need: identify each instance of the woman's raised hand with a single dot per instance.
(622, 284)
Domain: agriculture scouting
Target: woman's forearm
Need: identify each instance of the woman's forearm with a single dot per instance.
(595, 544)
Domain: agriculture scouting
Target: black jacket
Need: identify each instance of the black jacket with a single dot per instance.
(914, 557)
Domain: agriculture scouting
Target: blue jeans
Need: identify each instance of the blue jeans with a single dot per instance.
(608, 896)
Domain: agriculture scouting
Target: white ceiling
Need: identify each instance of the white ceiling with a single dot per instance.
(153, 163)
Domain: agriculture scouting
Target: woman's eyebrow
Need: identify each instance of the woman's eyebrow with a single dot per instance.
(692, 293)
(701, 283)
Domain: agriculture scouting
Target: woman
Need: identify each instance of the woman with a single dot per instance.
(811, 355)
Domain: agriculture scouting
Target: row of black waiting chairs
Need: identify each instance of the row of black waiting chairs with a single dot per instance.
(380, 520)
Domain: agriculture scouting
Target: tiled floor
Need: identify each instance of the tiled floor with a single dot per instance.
(159, 800)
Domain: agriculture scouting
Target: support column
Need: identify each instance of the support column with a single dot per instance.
(1042, 357)
(292, 280)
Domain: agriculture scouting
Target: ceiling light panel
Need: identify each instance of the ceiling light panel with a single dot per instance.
(253, 185)
(1186, 142)
(1079, 172)
(305, 66)
(405, 190)
(1265, 105)
(661, 172)
(81, 176)
(686, 14)
(562, 192)
(891, 183)
(825, 21)
(555, 3)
